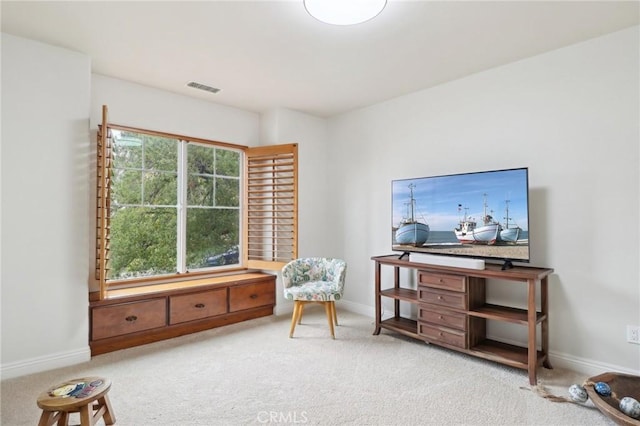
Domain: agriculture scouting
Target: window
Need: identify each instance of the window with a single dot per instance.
(169, 205)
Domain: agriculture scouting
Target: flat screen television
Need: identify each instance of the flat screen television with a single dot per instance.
(483, 215)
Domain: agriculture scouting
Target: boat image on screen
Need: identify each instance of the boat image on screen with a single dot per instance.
(480, 215)
(410, 231)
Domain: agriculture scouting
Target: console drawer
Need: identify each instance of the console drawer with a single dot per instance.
(450, 337)
(249, 296)
(443, 281)
(189, 307)
(125, 318)
(443, 298)
(434, 315)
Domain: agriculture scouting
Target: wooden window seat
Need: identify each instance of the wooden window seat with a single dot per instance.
(136, 316)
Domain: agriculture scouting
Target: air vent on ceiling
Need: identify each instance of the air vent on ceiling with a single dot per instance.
(203, 87)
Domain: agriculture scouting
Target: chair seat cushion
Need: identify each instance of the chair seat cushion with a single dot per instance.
(317, 291)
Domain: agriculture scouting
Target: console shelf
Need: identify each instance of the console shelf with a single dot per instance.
(401, 325)
(405, 294)
(505, 313)
(515, 356)
(452, 310)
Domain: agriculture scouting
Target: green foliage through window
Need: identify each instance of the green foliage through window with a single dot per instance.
(154, 190)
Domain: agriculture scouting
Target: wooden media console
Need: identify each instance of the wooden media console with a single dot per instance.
(452, 310)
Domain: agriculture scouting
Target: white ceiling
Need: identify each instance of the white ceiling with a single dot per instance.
(266, 54)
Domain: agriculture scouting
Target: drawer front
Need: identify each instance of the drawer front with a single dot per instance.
(189, 307)
(443, 281)
(116, 320)
(450, 337)
(443, 298)
(441, 317)
(249, 296)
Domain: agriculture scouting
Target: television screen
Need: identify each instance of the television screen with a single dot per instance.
(480, 214)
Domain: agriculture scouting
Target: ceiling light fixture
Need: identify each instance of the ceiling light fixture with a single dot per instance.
(344, 12)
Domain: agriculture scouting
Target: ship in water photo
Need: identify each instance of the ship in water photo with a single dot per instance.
(463, 215)
(490, 231)
(411, 231)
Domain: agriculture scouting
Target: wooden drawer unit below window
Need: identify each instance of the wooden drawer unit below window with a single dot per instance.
(247, 296)
(204, 304)
(450, 299)
(441, 335)
(443, 281)
(436, 316)
(125, 318)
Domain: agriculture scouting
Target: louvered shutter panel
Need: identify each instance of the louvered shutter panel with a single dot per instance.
(271, 209)
(103, 215)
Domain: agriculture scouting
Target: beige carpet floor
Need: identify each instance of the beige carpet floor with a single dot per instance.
(251, 373)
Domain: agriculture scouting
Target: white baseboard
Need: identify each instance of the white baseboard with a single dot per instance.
(585, 366)
(44, 363)
(455, 262)
(588, 367)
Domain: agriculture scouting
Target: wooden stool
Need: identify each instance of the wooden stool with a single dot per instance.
(77, 395)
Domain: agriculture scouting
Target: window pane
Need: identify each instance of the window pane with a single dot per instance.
(143, 242)
(200, 159)
(127, 150)
(160, 153)
(227, 192)
(200, 191)
(145, 208)
(126, 187)
(160, 189)
(212, 237)
(227, 163)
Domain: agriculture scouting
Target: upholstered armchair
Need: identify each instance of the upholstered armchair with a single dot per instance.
(314, 280)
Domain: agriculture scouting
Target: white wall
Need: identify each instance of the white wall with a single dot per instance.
(135, 105)
(571, 116)
(314, 227)
(45, 206)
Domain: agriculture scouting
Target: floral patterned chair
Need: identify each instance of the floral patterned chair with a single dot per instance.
(314, 280)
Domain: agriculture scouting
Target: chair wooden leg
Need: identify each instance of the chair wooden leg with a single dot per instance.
(297, 306)
(301, 312)
(335, 315)
(328, 310)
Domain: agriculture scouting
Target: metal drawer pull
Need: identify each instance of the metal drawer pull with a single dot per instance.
(254, 296)
(439, 297)
(131, 318)
(199, 305)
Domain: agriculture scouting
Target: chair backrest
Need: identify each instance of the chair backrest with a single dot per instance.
(307, 269)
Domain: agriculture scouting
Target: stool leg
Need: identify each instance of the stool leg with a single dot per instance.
(86, 415)
(109, 416)
(64, 418)
(48, 418)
